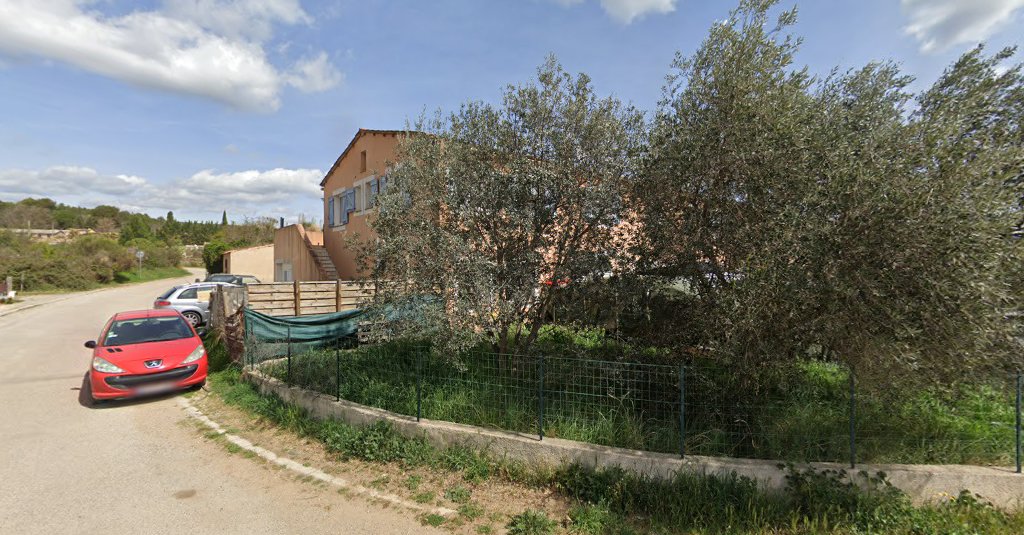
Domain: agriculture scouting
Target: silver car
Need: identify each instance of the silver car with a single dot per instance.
(192, 300)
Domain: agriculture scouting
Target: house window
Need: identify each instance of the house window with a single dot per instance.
(371, 197)
(358, 198)
(348, 203)
(362, 162)
(282, 271)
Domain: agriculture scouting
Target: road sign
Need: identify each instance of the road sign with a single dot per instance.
(139, 254)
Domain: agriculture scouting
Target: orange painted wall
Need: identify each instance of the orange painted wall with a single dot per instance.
(380, 149)
(289, 246)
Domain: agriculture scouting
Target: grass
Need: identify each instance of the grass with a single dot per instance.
(531, 522)
(433, 519)
(616, 501)
(589, 519)
(802, 416)
(458, 494)
(413, 482)
(217, 356)
(424, 497)
(471, 511)
(150, 274)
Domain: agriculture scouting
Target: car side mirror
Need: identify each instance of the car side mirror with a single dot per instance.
(91, 344)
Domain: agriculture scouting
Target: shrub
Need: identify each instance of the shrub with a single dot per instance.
(157, 253)
(589, 519)
(216, 352)
(531, 522)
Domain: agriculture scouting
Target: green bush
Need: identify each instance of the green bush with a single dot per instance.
(217, 356)
(76, 265)
(589, 519)
(157, 253)
(82, 263)
(531, 522)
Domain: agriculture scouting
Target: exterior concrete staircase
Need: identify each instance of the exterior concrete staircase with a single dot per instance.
(323, 261)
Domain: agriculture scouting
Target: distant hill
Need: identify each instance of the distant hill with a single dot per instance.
(46, 213)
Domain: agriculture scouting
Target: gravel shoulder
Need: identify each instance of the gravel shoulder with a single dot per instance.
(492, 502)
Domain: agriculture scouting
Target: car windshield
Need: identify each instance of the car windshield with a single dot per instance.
(143, 330)
(220, 278)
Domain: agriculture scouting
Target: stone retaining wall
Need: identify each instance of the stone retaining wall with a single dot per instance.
(1001, 486)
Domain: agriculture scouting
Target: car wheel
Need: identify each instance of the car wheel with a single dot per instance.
(193, 318)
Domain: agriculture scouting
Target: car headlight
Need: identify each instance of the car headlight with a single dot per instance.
(195, 355)
(102, 365)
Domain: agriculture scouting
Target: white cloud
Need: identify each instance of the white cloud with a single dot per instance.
(254, 187)
(626, 11)
(65, 179)
(313, 75)
(277, 192)
(940, 24)
(209, 48)
(252, 19)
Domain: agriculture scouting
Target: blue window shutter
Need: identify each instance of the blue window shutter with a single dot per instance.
(383, 182)
(374, 187)
(351, 194)
(348, 205)
(330, 211)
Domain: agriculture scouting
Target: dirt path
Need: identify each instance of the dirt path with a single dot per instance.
(135, 467)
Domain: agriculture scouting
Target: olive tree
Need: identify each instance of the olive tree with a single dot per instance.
(491, 211)
(840, 218)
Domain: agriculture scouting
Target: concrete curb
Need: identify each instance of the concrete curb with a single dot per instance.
(14, 309)
(306, 471)
(923, 483)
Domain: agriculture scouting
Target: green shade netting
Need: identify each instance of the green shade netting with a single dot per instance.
(312, 328)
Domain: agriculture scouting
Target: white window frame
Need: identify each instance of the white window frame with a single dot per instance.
(283, 271)
(338, 194)
(362, 187)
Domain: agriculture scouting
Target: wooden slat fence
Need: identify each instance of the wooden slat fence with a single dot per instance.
(303, 298)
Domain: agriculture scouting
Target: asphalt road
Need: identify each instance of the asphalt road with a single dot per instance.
(132, 466)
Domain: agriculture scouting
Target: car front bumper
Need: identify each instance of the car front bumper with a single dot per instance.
(126, 385)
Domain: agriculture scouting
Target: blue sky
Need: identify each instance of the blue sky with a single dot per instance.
(199, 106)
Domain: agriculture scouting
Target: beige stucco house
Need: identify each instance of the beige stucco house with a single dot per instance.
(349, 189)
(299, 255)
(257, 261)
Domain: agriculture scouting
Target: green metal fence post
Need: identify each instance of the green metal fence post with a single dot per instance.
(337, 369)
(288, 376)
(1017, 430)
(419, 383)
(540, 401)
(245, 344)
(853, 420)
(682, 411)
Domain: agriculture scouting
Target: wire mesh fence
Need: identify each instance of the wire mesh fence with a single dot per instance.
(697, 408)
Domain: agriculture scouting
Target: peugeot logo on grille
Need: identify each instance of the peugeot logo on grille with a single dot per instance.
(153, 363)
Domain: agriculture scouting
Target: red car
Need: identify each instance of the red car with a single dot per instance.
(146, 352)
